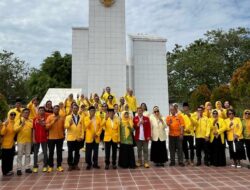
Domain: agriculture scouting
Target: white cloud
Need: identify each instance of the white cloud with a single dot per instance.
(33, 29)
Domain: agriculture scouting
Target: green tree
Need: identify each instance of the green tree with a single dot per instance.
(199, 96)
(3, 107)
(209, 61)
(55, 72)
(14, 73)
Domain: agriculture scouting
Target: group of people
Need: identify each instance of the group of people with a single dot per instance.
(85, 123)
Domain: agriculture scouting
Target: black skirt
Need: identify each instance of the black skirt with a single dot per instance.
(218, 155)
(237, 152)
(126, 156)
(159, 152)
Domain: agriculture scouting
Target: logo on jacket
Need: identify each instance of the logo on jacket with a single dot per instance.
(107, 3)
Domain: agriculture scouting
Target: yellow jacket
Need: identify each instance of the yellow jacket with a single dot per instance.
(33, 111)
(132, 102)
(189, 125)
(8, 134)
(214, 128)
(93, 129)
(18, 113)
(112, 130)
(74, 131)
(67, 104)
(201, 127)
(81, 101)
(236, 129)
(105, 96)
(24, 133)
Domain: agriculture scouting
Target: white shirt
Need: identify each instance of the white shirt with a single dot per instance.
(141, 133)
(158, 128)
(75, 118)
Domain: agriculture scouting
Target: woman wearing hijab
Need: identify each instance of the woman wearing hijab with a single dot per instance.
(221, 111)
(208, 110)
(235, 138)
(8, 145)
(158, 153)
(217, 128)
(246, 132)
(126, 153)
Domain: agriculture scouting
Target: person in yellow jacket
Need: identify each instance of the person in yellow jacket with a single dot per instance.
(217, 128)
(131, 101)
(208, 110)
(188, 136)
(62, 111)
(93, 128)
(95, 101)
(75, 135)
(122, 105)
(246, 132)
(111, 137)
(8, 145)
(202, 133)
(110, 102)
(23, 128)
(221, 111)
(18, 109)
(83, 100)
(235, 138)
(105, 95)
(68, 103)
(33, 107)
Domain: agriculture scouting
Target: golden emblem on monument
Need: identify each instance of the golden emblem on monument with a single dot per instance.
(107, 3)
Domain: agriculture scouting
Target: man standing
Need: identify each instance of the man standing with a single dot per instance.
(176, 128)
(131, 101)
(55, 127)
(23, 128)
(75, 135)
(93, 130)
(18, 110)
(105, 95)
(111, 137)
(40, 138)
(142, 136)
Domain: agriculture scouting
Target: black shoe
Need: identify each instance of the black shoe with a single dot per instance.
(198, 163)
(207, 164)
(181, 164)
(88, 167)
(28, 171)
(106, 167)
(96, 167)
(172, 164)
(157, 164)
(114, 167)
(9, 174)
(162, 164)
(248, 166)
(19, 172)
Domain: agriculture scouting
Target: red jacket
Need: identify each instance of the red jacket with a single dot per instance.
(40, 133)
(146, 128)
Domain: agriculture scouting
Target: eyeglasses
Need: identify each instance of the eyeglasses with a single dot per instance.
(156, 111)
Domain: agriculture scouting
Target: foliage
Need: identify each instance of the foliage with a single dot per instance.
(3, 107)
(199, 96)
(14, 73)
(209, 61)
(221, 93)
(55, 72)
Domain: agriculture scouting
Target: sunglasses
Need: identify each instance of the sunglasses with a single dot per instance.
(247, 113)
(12, 114)
(157, 111)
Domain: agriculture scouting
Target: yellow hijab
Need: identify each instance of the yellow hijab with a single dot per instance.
(127, 123)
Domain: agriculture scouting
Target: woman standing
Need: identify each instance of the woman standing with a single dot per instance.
(158, 153)
(145, 110)
(246, 132)
(235, 138)
(217, 128)
(126, 153)
(8, 147)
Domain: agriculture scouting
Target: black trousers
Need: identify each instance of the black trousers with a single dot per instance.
(74, 147)
(247, 143)
(7, 160)
(175, 143)
(108, 146)
(92, 148)
(188, 144)
(202, 145)
(52, 143)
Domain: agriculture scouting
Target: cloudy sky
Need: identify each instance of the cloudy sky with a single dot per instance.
(32, 29)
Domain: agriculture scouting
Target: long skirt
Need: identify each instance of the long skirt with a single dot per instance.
(126, 156)
(218, 155)
(158, 152)
(236, 150)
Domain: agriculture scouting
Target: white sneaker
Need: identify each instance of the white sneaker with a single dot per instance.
(238, 166)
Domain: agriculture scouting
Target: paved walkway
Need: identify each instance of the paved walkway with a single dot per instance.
(188, 178)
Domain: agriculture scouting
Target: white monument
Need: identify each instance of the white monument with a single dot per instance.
(99, 57)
